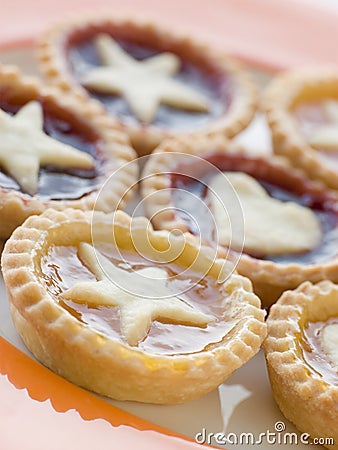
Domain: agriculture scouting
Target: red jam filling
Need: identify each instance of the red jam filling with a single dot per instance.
(280, 184)
(196, 73)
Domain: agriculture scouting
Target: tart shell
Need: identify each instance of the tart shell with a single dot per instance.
(306, 400)
(107, 366)
(284, 92)
(54, 67)
(269, 278)
(16, 206)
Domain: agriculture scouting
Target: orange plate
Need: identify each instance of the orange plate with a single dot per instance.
(41, 411)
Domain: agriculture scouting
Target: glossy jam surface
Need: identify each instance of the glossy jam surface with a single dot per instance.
(62, 268)
(313, 352)
(56, 183)
(82, 56)
(282, 188)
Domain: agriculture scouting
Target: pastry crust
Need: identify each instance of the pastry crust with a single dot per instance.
(155, 187)
(109, 366)
(284, 93)
(145, 138)
(307, 400)
(270, 279)
(16, 206)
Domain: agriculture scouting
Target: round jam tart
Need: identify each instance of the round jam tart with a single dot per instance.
(302, 110)
(302, 358)
(165, 323)
(281, 226)
(56, 151)
(156, 82)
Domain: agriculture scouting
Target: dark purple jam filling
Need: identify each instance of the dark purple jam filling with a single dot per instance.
(56, 183)
(286, 189)
(83, 56)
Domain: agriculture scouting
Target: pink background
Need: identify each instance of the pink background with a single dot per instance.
(270, 33)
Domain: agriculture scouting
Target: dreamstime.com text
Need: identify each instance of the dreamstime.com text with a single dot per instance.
(279, 436)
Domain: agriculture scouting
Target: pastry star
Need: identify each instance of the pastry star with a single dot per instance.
(326, 136)
(144, 84)
(24, 147)
(137, 311)
(329, 341)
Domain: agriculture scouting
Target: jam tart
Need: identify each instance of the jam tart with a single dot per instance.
(160, 323)
(289, 232)
(302, 358)
(302, 111)
(56, 151)
(156, 82)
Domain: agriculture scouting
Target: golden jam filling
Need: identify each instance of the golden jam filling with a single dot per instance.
(314, 353)
(62, 268)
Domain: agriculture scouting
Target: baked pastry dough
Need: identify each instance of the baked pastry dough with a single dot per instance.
(271, 226)
(289, 226)
(302, 111)
(170, 84)
(144, 84)
(173, 326)
(56, 151)
(25, 146)
(302, 359)
(137, 312)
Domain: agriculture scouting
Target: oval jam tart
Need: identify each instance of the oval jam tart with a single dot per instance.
(302, 358)
(55, 151)
(302, 110)
(156, 82)
(164, 324)
(290, 222)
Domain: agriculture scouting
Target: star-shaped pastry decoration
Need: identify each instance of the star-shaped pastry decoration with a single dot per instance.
(329, 341)
(325, 137)
(153, 299)
(144, 84)
(24, 147)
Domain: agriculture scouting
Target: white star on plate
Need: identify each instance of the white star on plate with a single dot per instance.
(325, 136)
(144, 84)
(24, 147)
(137, 311)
